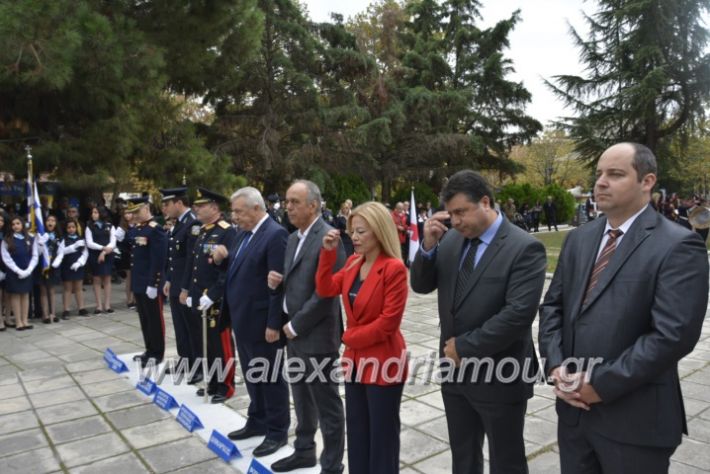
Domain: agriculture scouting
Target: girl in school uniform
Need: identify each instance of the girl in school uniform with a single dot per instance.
(124, 239)
(101, 240)
(4, 299)
(49, 246)
(20, 255)
(70, 261)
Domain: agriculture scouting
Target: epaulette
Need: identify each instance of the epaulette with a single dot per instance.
(153, 224)
(223, 224)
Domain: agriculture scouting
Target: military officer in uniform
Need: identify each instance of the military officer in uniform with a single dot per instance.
(181, 240)
(203, 289)
(150, 249)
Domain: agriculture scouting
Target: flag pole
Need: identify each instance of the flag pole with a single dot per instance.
(30, 190)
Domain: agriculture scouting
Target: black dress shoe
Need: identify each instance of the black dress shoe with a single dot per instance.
(201, 392)
(110, 310)
(10, 325)
(97, 311)
(46, 320)
(294, 461)
(245, 433)
(218, 398)
(83, 312)
(150, 361)
(29, 326)
(268, 446)
(138, 357)
(65, 315)
(197, 378)
(3, 329)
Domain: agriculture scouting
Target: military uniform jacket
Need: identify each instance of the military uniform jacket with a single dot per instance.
(201, 273)
(150, 250)
(181, 241)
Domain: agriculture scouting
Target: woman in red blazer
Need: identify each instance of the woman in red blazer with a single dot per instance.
(373, 284)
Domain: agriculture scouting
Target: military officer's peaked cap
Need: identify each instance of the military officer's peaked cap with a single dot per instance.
(204, 196)
(136, 203)
(173, 193)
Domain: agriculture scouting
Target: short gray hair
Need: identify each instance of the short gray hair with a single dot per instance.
(251, 196)
(313, 191)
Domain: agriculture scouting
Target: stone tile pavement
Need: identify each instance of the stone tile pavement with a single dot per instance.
(61, 410)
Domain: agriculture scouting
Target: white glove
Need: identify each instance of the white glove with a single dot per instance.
(75, 266)
(24, 274)
(79, 244)
(188, 302)
(152, 292)
(56, 263)
(43, 238)
(205, 303)
(2, 276)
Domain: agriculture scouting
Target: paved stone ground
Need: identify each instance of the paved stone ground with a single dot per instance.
(61, 410)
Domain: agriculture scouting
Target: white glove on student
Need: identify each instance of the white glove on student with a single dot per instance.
(152, 292)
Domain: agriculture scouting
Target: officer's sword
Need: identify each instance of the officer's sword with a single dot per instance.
(204, 349)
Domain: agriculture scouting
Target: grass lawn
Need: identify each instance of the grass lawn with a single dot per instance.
(553, 244)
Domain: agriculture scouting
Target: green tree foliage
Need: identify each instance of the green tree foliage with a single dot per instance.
(647, 76)
(91, 91)
(530, 195)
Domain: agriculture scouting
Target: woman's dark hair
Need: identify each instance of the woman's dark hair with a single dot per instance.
(103, 214)
(10, 236)
(57, 228)
(71, 220)
(469, 183)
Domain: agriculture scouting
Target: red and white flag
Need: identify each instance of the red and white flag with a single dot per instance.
(413, 229)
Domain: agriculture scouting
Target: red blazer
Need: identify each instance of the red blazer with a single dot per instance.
(373, 322)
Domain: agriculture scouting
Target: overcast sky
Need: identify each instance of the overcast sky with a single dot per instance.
(540, 45)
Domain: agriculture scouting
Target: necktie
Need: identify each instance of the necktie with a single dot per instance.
(602, 261)
(242, 246)
(466, 269)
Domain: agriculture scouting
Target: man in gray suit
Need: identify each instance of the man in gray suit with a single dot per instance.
(486, 309)
(313, 330)
(627, 302)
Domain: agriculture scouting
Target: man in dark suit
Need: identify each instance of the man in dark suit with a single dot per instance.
(626, 303)
(550, 210)
(314, 329)
(257, 317)
(486, 311)
(181, 241)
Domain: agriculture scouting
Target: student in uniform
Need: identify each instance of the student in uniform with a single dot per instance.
(49, 246)
(4, 299)
(70, 260)
(20, 256)
(101, 240)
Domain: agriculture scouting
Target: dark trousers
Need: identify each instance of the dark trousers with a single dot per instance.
(469, 421)
(185, 331)
(318, 401)
(585, 452)
(268, 391)
(372, 415)
(150, 314)
(551, 221)
(220, 353)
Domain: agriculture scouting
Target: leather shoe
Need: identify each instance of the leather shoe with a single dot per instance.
(268, 446)
(245, 433)
(138, 357)
(294, 461)
(197, 378)
(218, 398)
(201, 392)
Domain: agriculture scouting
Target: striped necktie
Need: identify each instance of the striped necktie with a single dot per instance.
(602, 261)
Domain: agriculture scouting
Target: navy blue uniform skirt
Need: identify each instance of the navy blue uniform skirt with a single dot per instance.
(13, 283)
(100, 269)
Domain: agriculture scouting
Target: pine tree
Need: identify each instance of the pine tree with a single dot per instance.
(647, 76)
